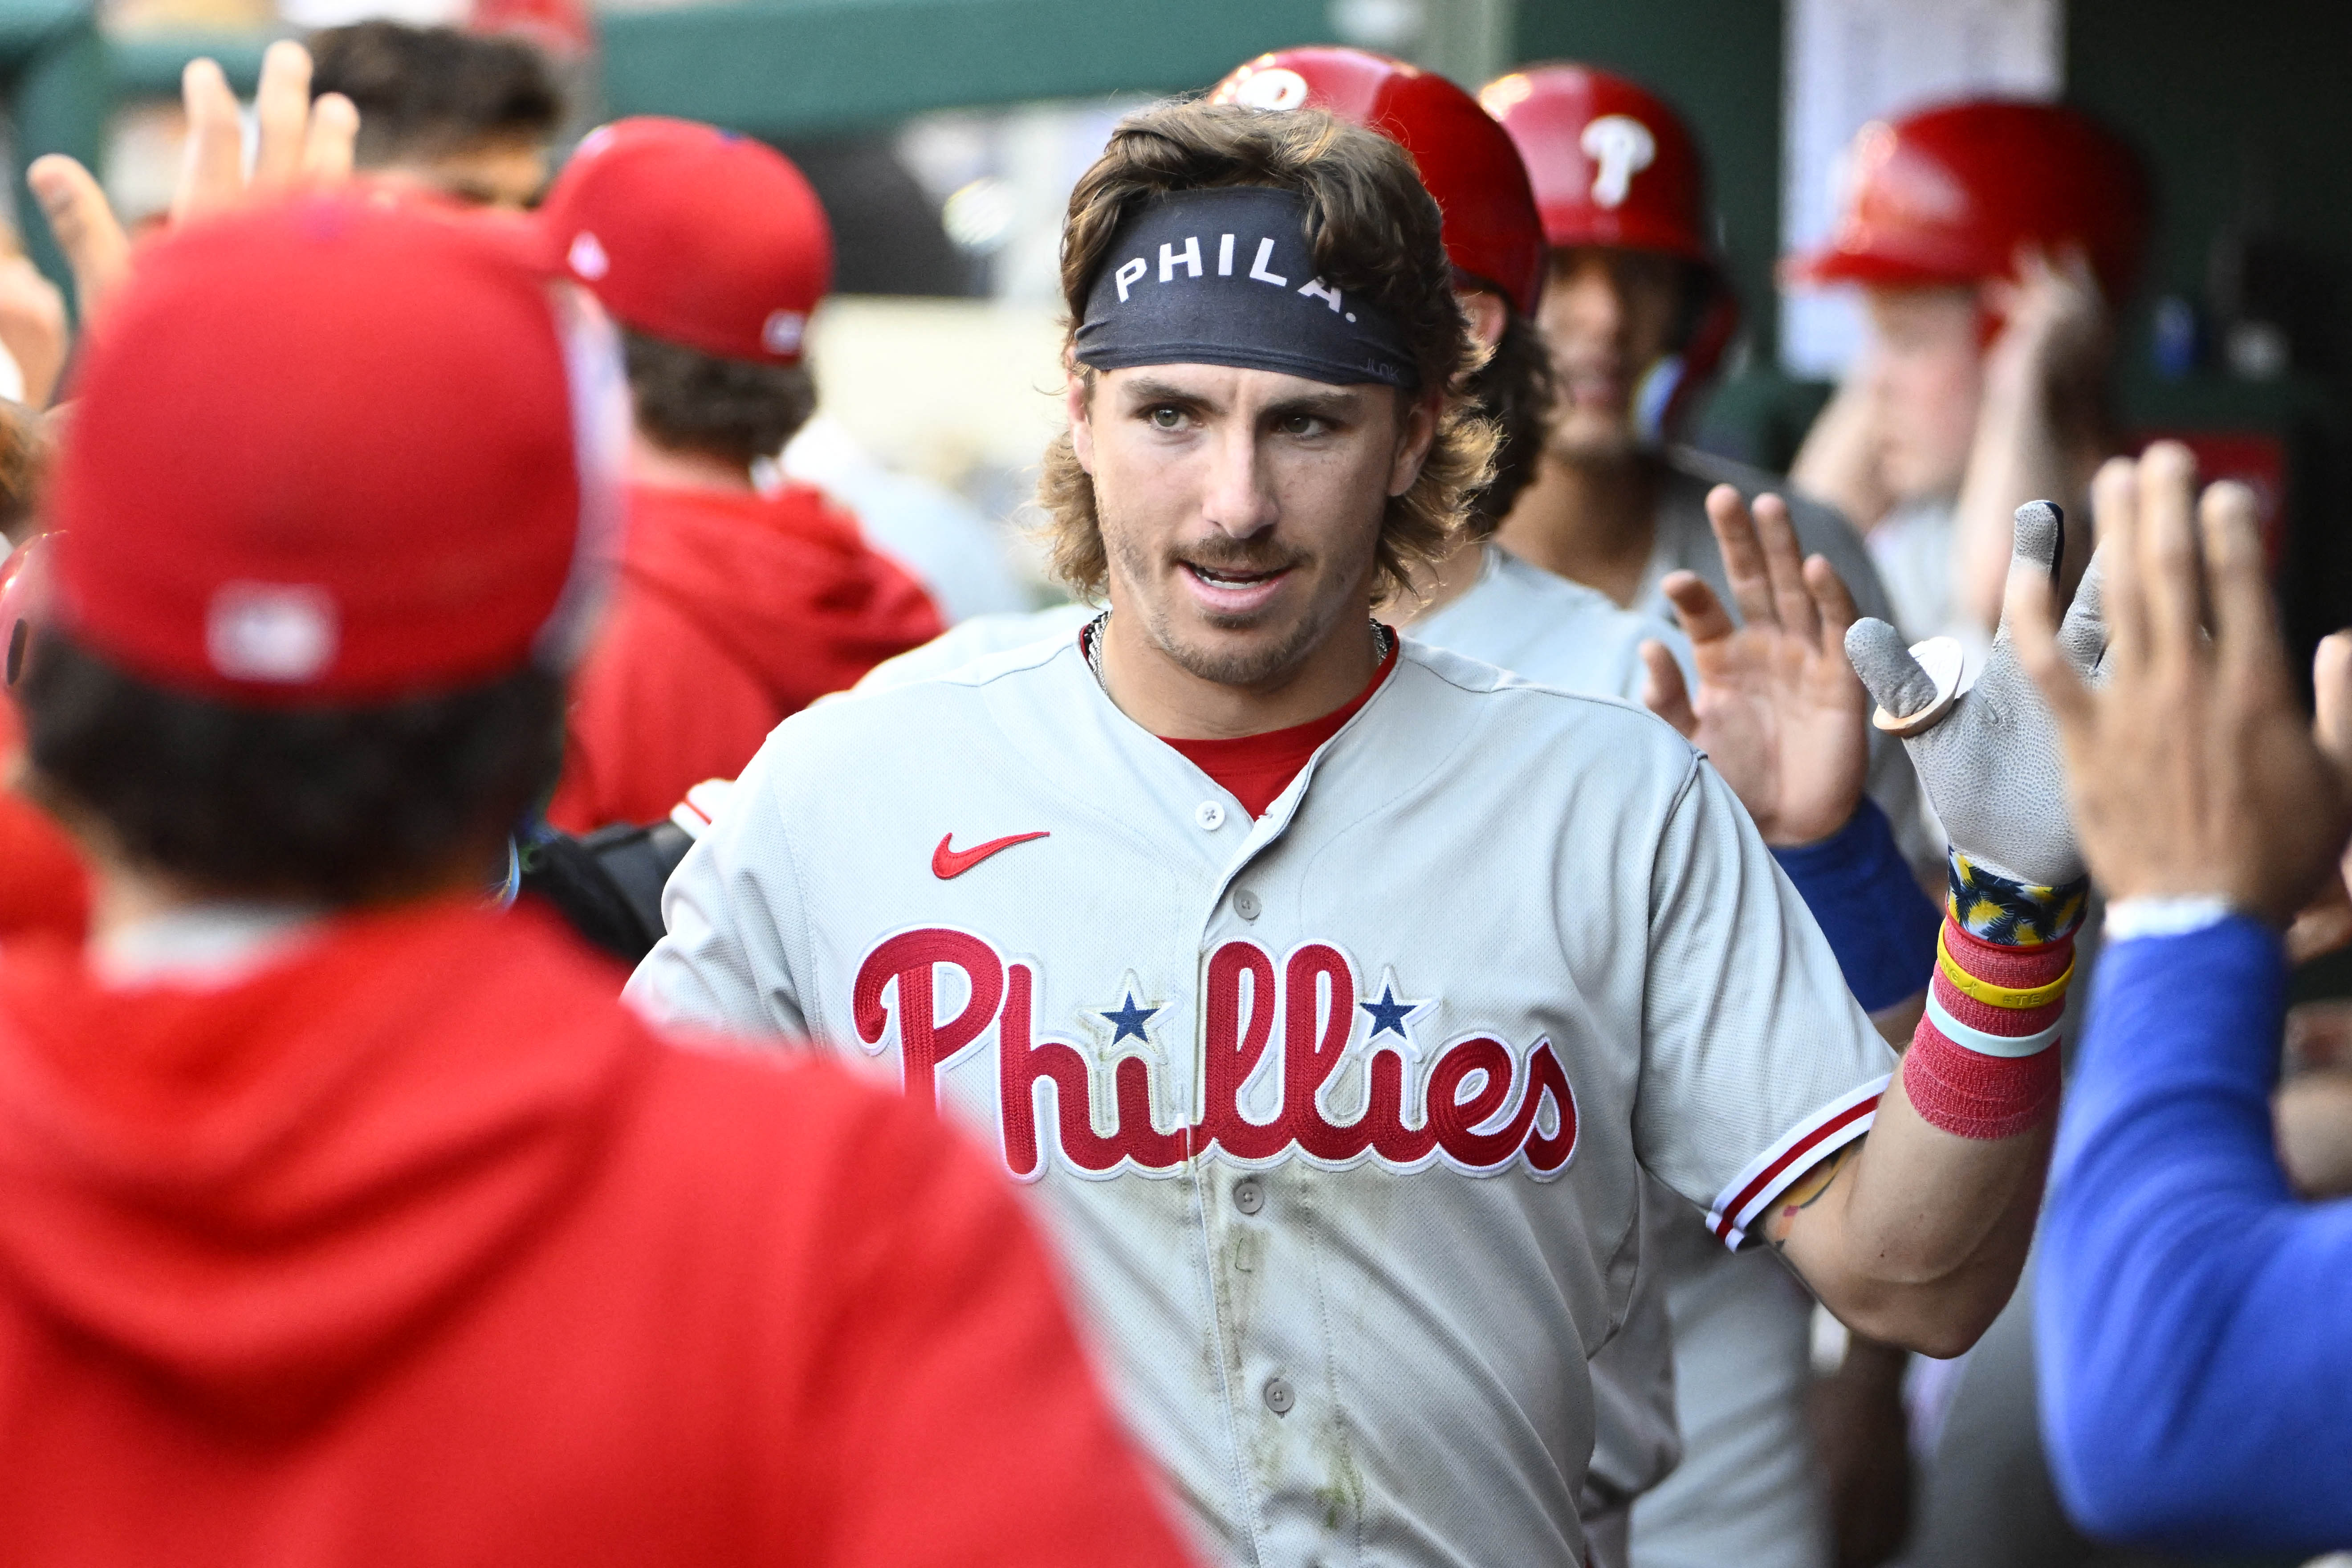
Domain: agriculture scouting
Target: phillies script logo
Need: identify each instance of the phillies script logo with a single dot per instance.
(1478, 1110)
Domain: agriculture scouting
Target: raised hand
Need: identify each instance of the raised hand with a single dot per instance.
(1992, 766)
(1777, 710)
(2190, 769)
(300, 143)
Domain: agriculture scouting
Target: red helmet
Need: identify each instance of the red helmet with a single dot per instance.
(1611, 163)
(1492, 234)
(1947, 195)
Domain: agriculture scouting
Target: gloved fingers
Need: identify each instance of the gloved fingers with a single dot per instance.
(2035, 546)
(2082, 634)
(2032, 604)
(1892, 678)
(1743, 555)
(1784, 564)
(1664, 691)
(2245, 627)
(1704, 619)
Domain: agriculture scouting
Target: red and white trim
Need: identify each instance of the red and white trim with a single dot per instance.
(1803, 1147)
(695, 813)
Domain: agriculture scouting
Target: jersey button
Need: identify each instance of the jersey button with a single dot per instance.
(1210, 815)
(1248, 1196)
(1279, 1395)
(1245, 904)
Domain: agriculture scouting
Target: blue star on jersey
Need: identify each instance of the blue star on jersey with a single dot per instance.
(1130, 1020)
(1389, 1015)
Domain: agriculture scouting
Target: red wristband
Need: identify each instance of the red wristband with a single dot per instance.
(1968, 1092)
(1971, 1095)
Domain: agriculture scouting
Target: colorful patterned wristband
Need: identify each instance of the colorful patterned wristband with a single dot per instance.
(1993, 908)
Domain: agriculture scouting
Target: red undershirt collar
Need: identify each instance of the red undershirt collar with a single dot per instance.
(1255, 769)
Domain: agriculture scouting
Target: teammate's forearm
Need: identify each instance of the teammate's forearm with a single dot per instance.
(1838, 462)
(2017, 457)
(2190, 1314)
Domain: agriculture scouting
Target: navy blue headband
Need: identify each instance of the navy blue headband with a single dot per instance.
(1226, 277)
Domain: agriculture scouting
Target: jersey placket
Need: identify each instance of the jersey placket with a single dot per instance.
(1260, 1230)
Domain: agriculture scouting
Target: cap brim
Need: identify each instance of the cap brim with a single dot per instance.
(1828, 268)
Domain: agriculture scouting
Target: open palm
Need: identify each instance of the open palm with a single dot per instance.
(1777, 708)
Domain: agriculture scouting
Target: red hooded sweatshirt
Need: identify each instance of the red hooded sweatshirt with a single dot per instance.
(733, 613)
(414, 1247)
(43, 887)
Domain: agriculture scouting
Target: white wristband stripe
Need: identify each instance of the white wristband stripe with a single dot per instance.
(1983, 1044)
(2130, 917)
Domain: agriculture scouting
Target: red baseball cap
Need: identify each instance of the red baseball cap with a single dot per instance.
(338, 451)
(694, 235)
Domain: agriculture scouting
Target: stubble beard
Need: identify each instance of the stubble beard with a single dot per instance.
(1247, 666)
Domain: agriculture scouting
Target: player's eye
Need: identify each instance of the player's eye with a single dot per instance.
(1303, 424)
(1165, 416)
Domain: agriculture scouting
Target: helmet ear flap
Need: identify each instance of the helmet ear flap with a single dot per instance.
(1714, 322)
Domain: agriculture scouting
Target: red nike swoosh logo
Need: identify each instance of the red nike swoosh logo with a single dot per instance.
(947, 863)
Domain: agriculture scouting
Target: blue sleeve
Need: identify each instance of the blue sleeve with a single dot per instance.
(2194, 1318)
(1880, 923)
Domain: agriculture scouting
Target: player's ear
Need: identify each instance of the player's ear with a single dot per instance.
(1076, 394)
(1416, 433)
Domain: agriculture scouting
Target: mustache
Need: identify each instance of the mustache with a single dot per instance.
(1222, 552)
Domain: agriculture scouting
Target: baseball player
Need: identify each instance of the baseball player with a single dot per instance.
(1990, 241)
(342, 1218)
(1637, 313)
(1332, 990)
(735, 608)
(1746, 1324)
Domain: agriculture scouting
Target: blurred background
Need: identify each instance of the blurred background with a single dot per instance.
(943, 136)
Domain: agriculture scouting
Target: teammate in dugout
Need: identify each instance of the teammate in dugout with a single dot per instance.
(1334, 991)
(343, 1218)
(734, 608)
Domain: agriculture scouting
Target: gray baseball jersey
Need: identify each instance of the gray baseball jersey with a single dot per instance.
(1554, 632)
(1337, 1114)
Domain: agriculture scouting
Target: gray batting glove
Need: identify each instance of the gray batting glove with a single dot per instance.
(1991, 764)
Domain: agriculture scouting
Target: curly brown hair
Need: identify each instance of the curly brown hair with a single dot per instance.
(1374, 231)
